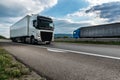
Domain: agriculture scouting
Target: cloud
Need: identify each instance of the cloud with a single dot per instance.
(91, 17)
(4, 30)
(16, 9)
(99, 2)
(13, 10)
(99, 14)
(67, 25)
(109, 11)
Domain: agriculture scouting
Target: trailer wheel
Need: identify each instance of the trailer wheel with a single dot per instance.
(23, 40)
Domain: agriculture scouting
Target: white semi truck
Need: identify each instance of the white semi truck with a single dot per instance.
(33, 29)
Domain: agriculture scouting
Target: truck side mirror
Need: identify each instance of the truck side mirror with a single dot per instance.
(35, 23)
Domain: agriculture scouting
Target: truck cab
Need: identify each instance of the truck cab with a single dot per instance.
(42, 29)
(76, 33)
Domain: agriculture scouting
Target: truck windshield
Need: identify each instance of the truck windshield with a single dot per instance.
(45, 25)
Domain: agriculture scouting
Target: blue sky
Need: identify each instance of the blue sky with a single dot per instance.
(68, 15)
(65, 7)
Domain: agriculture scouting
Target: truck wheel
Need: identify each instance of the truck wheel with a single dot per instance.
(14, 40)
(23, 40)
(48, 43)
(33, 41)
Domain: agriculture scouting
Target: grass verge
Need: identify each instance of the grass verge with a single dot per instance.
(10, 69)
(92, 42)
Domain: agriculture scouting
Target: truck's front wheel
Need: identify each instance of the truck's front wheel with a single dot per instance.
(48, 43)
(14, 40)
(33, 41)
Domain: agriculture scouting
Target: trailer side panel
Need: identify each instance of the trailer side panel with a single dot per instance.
(20, 28)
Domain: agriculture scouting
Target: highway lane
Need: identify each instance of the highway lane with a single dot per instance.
(64, 65)
(110, 51)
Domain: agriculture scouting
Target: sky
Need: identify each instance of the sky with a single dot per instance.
(68, 15)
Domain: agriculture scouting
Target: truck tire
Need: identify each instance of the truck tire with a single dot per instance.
(13, 40)
(33, 41)
(24, 40)
(48, 43)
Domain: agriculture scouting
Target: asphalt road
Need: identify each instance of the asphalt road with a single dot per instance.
(97, 50)
(59, 64)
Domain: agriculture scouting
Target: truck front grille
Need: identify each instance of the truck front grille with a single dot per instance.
(46, 36)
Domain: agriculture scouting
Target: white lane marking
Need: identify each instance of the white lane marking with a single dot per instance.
(55, 50)
(85, 53)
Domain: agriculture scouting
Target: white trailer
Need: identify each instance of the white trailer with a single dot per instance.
(33, 29)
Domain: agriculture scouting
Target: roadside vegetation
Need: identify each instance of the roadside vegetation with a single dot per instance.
(10, 69)
(2, 37)
(62, 37)
(90, 42)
